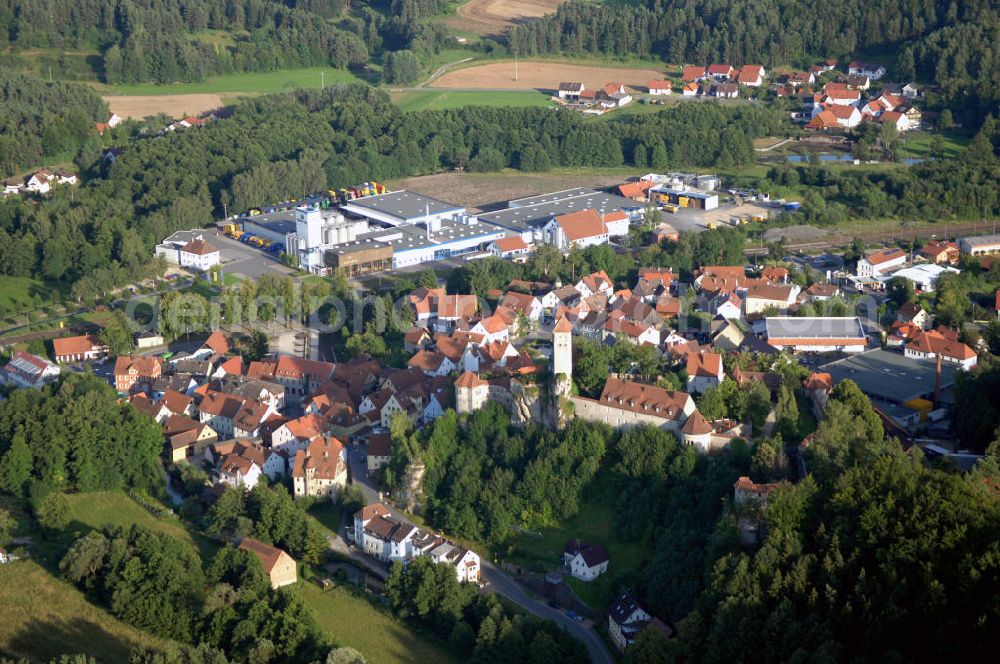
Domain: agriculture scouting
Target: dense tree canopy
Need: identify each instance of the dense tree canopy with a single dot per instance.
(474, 625)
(76, 435)
(42, 121)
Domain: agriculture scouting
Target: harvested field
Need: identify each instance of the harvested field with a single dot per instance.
(544, 76)
(490, 191)
(494, 16)
(176, 106)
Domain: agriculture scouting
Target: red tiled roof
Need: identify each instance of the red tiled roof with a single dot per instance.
(512, 243)
(818, 381)
(581, 224)
(323, 456)
(640, 398)
(750, 73)
(692, 73)
(936, 343)
(469, 379)
(217, 342)
(267, 554)
(199, 247)
(457, 306)
(75, 345)
(696, 425)
(634, 189)
(704, 364)
(884, 256)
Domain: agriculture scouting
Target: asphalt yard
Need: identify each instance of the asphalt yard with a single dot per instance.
(244, 260)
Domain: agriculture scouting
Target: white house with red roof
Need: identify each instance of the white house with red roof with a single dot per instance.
(897, 119)
(751, 76)
(693, 73)
(78, 349)
(721, 72)
(27, 370)
(616, 222)
(198, 254)
(596, 283)
(704, 370)
(583, 228)
(933, 344)
(659, 88)
(512, 248)
(876, 263)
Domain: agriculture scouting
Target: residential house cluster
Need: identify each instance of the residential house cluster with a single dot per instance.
(597, 101)
(846, 103)
(387, 538)
(38, 182)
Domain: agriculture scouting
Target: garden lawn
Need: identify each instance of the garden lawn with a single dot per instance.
(20, 293)
(45, 617)
(353, 621)
(920, 144)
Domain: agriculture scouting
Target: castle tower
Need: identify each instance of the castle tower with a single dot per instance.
(562, 354)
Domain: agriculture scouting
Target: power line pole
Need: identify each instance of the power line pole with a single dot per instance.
(322, 80)
(515, 65)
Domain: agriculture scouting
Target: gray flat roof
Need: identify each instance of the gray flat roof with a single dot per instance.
(539, 209)
(407, 238)
(981, 240)
(550, 197)
(889, 375)
(819, 328)
(403, 205)
(278, 222)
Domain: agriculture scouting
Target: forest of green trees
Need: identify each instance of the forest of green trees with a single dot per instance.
(75, 436)
(44, 122)
(475, 625)
(188, 40)
(947, 42)
(107, 228)
(877, 554)
(156, 583)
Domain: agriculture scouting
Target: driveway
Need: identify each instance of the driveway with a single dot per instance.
(242, 259)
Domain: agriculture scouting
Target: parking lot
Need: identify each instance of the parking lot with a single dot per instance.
(244, 260)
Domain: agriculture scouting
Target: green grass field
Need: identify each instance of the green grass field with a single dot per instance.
(594, 524)
(353, 621)
(45, 617)
(248, 83)
(18, 293)
(437, 100)
(920, 144)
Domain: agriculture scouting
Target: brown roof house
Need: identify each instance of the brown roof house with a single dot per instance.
(279, 566)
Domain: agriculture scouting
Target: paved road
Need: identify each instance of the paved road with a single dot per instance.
(500, 582)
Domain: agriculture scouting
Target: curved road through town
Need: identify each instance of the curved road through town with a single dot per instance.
(501, 583)
(497, 581)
